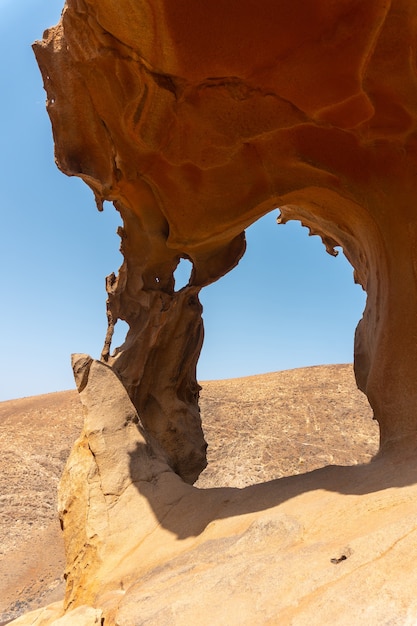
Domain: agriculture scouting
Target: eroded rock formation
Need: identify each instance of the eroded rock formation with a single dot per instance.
(197, 118)
(334, 546)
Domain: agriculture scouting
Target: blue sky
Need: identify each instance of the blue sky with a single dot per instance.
(288, 304)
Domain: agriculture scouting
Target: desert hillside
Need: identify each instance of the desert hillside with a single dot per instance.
(258, 428)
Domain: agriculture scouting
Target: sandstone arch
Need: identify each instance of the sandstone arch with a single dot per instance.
(159, 107)
(288, 304)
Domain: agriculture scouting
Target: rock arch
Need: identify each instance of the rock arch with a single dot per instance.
(160, 108)
(301, 306)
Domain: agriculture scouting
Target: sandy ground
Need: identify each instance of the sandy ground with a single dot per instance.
(258, 428)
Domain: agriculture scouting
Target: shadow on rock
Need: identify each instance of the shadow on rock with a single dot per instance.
(187, 511)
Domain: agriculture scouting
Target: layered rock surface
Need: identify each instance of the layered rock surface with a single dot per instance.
(195, 119)
(335, 545)
(258, 428)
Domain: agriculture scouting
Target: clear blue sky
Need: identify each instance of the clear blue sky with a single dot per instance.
(288, 304)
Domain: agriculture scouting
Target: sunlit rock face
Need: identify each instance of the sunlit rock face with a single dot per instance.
(332, 546)
(197, 118)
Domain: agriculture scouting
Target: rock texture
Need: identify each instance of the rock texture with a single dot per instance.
(197, 118)
(258, 428)
(332, 546)
(273, 425)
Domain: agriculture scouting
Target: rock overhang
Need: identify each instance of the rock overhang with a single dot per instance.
(195, 120)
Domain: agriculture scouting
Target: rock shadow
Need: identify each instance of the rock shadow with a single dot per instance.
(186, 510)
(126, 458)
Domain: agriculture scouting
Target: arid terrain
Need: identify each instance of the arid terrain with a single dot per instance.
(258, 428)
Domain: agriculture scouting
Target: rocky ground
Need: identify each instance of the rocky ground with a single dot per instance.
(258, 428)
(35, 438)
(273, 425)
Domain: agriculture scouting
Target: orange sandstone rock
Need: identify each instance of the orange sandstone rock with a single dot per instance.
(333, 546)
(196, 118)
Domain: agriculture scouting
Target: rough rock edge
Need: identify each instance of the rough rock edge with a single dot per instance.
(163, 563)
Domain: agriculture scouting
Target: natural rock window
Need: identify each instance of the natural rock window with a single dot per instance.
(287, 304)
(194, 136)
(196, 119)
(182, 274)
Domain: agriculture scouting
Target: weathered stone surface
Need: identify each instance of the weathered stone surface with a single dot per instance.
(333, 546)
(112, 457)
(39, 617)
(258, 428)
(197, 118)
(81, 616)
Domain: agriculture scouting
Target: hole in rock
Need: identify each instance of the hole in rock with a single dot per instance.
(287, 305)
(120, 331)
(182, 274)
